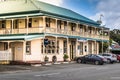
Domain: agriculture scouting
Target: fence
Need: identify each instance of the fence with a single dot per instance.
(5, 56)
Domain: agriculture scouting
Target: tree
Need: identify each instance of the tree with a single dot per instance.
(105, 47)
(115, 35)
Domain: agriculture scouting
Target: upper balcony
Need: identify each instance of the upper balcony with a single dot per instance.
(47, 25)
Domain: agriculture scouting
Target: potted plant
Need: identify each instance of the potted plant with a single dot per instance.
(65, 57)
(54, 59)
(46, 59)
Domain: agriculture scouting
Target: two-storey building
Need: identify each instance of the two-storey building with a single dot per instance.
(31, 30)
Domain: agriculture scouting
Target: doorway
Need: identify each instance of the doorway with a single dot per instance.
(13, 53)
(72, 50)
(90, 47)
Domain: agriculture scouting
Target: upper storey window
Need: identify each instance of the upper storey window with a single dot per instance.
(3, 24)
(47, 20)
(85, 29)
(90, 30)
(30, 23)
(16, 23)
(59, 23)
(73, 26)
(65, 25)
(81, 28)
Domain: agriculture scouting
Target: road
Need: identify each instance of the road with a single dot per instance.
(67, 72)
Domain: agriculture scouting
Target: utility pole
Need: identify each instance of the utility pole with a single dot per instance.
(100, 22)
(101, 15)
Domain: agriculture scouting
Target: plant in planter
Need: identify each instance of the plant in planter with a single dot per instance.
(65, 57)
(46, 59)
(54, 59)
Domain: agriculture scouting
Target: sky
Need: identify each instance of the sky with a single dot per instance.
(93, 9)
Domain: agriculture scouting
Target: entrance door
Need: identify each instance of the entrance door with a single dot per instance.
(72, 51)
(90, 48)
(13, 53)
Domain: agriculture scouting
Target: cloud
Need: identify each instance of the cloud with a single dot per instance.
(54, 2)
(110, 10)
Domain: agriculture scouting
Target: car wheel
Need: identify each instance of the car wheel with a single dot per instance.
(108, 61)
(96, 62)
(79, 61)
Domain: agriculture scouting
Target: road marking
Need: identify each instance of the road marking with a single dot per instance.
(102, 68)
(117, 78)
(47, 74)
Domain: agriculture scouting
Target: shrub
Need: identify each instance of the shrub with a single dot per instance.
(65, 57)
(46, 59)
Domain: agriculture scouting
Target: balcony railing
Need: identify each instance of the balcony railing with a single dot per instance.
(22, 30)
(5, 55)
(52, 30)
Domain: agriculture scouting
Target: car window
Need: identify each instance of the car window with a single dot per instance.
(88, 55)
(103, 54)
(107, 54)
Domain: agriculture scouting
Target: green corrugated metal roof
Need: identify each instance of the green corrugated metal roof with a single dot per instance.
(20, 37)
(17, 6)
(37, 36)
(61, 11)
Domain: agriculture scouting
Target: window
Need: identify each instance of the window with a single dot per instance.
(80, 48)
(51, 48)
(15, 24)
(65, 47)
(28, 47)
(90, 30)
(3, 24)
(73, 26)
(30, 23)
(65, 25)
(5, 46)
(59, 24)
(85, 29)
(47, 20)
(81, 28)
(85, 48)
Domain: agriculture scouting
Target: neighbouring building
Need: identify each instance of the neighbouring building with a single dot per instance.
(31, 30)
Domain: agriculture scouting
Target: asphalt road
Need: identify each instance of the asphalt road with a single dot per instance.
(66, 72)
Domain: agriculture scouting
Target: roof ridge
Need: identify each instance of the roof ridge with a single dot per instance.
(34, 4)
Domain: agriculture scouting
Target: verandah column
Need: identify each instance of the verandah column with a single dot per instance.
(12, 26)
(77, 29)
(44, 23)
(24, 51)
(67, 29)
(56, 25)
(27, 25)
(56, 38)
(68, 53)
(95, 47)
(76, 48)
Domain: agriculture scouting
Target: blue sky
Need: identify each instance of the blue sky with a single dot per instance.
(84, 7)
(93, 9)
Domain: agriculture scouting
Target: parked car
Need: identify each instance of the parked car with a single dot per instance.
(118, 57)
(111, 58)
(91, 58)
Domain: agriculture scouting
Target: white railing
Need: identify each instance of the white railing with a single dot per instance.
(5, 55)
(41, 29)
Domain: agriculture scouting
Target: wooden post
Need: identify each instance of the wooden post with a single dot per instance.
(27, 25)
(12, 27)
(56, 26)
(56, 44)
(24, 50)
(44, 23)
